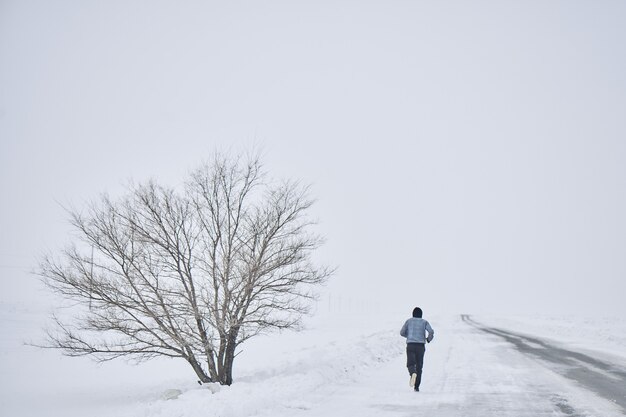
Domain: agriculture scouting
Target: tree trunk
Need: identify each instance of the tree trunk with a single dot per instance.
(212, 366)
(226, 374)
(204, 378)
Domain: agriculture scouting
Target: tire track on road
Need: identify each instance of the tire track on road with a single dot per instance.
(605, 379)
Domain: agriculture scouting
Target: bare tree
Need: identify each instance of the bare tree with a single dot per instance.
(190, 275)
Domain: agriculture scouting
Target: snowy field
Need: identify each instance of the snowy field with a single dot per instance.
(340, 366)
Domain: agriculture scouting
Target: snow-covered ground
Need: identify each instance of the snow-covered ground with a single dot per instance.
(340, 366)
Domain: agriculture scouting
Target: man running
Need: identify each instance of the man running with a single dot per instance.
(414, 330)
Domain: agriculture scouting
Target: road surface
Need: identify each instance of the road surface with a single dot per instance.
(607, 380)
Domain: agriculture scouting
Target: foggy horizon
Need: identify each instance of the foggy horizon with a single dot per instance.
(464, 158)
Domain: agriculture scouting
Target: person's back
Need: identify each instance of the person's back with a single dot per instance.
(415, 330)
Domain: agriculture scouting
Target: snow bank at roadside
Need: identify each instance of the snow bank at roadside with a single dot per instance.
(271, 372)
(269, 390)
(607, 334)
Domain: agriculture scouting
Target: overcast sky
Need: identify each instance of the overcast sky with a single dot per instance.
(466, 156)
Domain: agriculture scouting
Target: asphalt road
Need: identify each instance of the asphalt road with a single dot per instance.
(607, 380)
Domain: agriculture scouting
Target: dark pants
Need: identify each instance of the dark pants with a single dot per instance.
(415, 360)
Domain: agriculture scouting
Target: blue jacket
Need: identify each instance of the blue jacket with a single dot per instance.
(415, 329)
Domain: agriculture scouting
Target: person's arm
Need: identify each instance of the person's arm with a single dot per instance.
(431, 332)
(404, 329)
